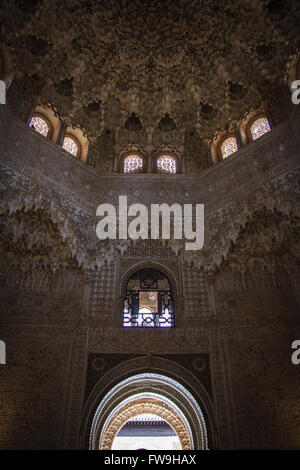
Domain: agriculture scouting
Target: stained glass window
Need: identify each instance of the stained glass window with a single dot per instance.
(40, 125)
(166, 164)
(229, 146)
(133, 164)
(70, 145)
(260, 127)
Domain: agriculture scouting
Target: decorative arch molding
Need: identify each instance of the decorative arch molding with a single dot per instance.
(156, 375)
(246, 122)
(48, 114)
(219, 138)
(149, 264)
(180, 402)
(146, 403)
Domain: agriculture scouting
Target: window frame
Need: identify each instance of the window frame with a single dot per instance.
(47, 121)
(135, 293)
(221, 142)
(161, 154)
(71, 136)
(128, 154)
(250, 124)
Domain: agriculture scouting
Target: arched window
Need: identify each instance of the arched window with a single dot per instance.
(40, 124)
(133, 163)
(259, 127)
(148, 300)
(166, 164)
(71, 146)
(228, 147)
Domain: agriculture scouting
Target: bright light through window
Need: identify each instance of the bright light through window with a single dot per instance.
(133, 164)
(148, 300)
(146, 432)
(229, 146)
(40, 125)
(70, 145)
(166, 164)
(260, 127)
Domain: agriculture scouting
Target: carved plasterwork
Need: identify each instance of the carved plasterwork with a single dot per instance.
(146, 388)
(132, 409)
(173, 66)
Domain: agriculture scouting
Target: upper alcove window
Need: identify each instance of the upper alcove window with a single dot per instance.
(133, 163)
(71, 146)
(45, 120)
(166, 164)
(148, 300)
(229, 146)
(40, 125)
(259, 127)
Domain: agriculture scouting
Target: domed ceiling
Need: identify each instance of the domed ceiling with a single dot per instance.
(205, 63)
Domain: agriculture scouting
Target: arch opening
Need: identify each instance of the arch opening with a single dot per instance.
(150, 394)
(146, 431)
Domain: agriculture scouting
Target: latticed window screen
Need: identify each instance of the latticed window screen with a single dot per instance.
(148, 300)
(40, 125)
(260, 127)
(229, 146)
(166, 164)
(70, 145)
(133, 164)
